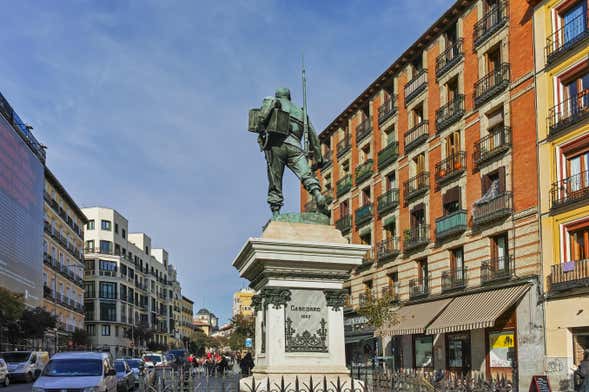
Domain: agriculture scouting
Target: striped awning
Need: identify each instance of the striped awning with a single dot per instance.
(474, 311)
(413, 319)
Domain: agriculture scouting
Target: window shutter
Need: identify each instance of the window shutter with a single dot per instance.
(485, 184)
(452, 195)
(501, 173)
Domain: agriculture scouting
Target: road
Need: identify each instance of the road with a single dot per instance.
(19, 387)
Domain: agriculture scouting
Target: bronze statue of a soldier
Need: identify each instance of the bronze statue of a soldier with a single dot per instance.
(281, 126)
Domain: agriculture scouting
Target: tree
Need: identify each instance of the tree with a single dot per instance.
(243, 328)
(199, 342)
(80, 338)
(11, 306)
(35, 322)
(379, 311)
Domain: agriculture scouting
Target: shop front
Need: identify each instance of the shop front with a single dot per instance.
(361, 345)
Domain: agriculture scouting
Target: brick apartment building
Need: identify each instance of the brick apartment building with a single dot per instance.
(434, 165)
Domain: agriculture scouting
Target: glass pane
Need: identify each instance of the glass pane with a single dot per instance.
(574, 22)
(502, 349)
(423, 352)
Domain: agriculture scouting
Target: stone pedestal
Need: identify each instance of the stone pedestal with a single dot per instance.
(298, 270)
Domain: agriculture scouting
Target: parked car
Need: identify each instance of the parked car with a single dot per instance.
(180, 357)
(125, 378)
(25, 365)
(157, 360)
(83, 371)
(139, 371)
(4, 379)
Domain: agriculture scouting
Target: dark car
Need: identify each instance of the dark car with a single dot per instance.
(125, 377)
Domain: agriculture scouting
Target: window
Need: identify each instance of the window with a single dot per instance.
(501, 349)
(89, 246)
(146, 250)
(366, 196)
(365, 153)
(390, 135)
(366, 239)
(117, 249)
(419, 164)
(417, 217)
(417, 114)
(580, 343)
(574, 21)
(123, 233)
(457, 263)
(91, 329)
(422, 273)
(458, 351)
(106, 265)
(117, 228)
(108, 311)
(500, 252)
(344, 208)
(494, 183)
(451, 200)
(105, 225)
(108, 290)
(105, 247)
(105, 330)
(493, 59)
(417, 64)
(90, 225)
(579, 243)
(577, 170)
(453, 144)
(423, 349)
(452, 89)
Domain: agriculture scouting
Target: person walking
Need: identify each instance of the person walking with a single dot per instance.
(247, 364)
(581, 375)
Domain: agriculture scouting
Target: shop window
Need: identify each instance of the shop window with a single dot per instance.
(451, 200)
(458, 352)
(502, 350)
(423, 348)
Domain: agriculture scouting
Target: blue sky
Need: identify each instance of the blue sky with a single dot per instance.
(143, 105)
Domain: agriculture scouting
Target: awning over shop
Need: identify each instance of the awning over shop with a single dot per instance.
(358, 338)
(413, 319)
(474, 311)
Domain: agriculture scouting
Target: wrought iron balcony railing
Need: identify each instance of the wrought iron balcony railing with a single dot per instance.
(392, 293)
(387, 109)
(388, 249)
(497, 269)
(366, 297)
(388, 155)
(491, 84)
(416, 85)
(416, 135)
(567, 38)
(363, 214)
(388, 201)
(500, 206)
(495, 143)
(418, 288)
(416, 186)
(449, 58)
(364, 171)
(454, 279)
(568, 112)
(490, 23)
(450, 112)
(344, 185)
(363, 129)
(570, 190)
(344, 224)
(451, 166)
(343, 146)
(451, 225)
(416, 237)
(569, 275)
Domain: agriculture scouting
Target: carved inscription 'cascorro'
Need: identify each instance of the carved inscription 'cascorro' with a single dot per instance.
(306, 321)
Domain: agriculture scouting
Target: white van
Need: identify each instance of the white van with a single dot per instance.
(84, 371)
(25, 365)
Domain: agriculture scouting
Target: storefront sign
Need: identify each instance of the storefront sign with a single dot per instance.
(502, 349)
(305, 318)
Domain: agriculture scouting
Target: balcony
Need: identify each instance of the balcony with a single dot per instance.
(326, 161)
(366, 297)
(449, 58)
(453, 280)
(391, 293)
(569, 112)
(500, 206)
(416, 85)
(570, 190)
(416, 135)
(344, 224)
(367, 261)
(344, 185)
(418, 288)
(62, 214)
(363, 130)
(490, 23)
(388, 155)
(364, 171)
(451, 167)
(569, 37)
(388, 249)
(450, 113)
(491, 84)
(388, 201)
(416, 186)
(496, 270)
(363, 215)
(494, 144)
(416, 237)
(451, 225)
(387, 109)
(343, 146)
(569, 275)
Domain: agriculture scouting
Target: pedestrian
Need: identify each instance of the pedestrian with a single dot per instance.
(247, 364)
(581, 375)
